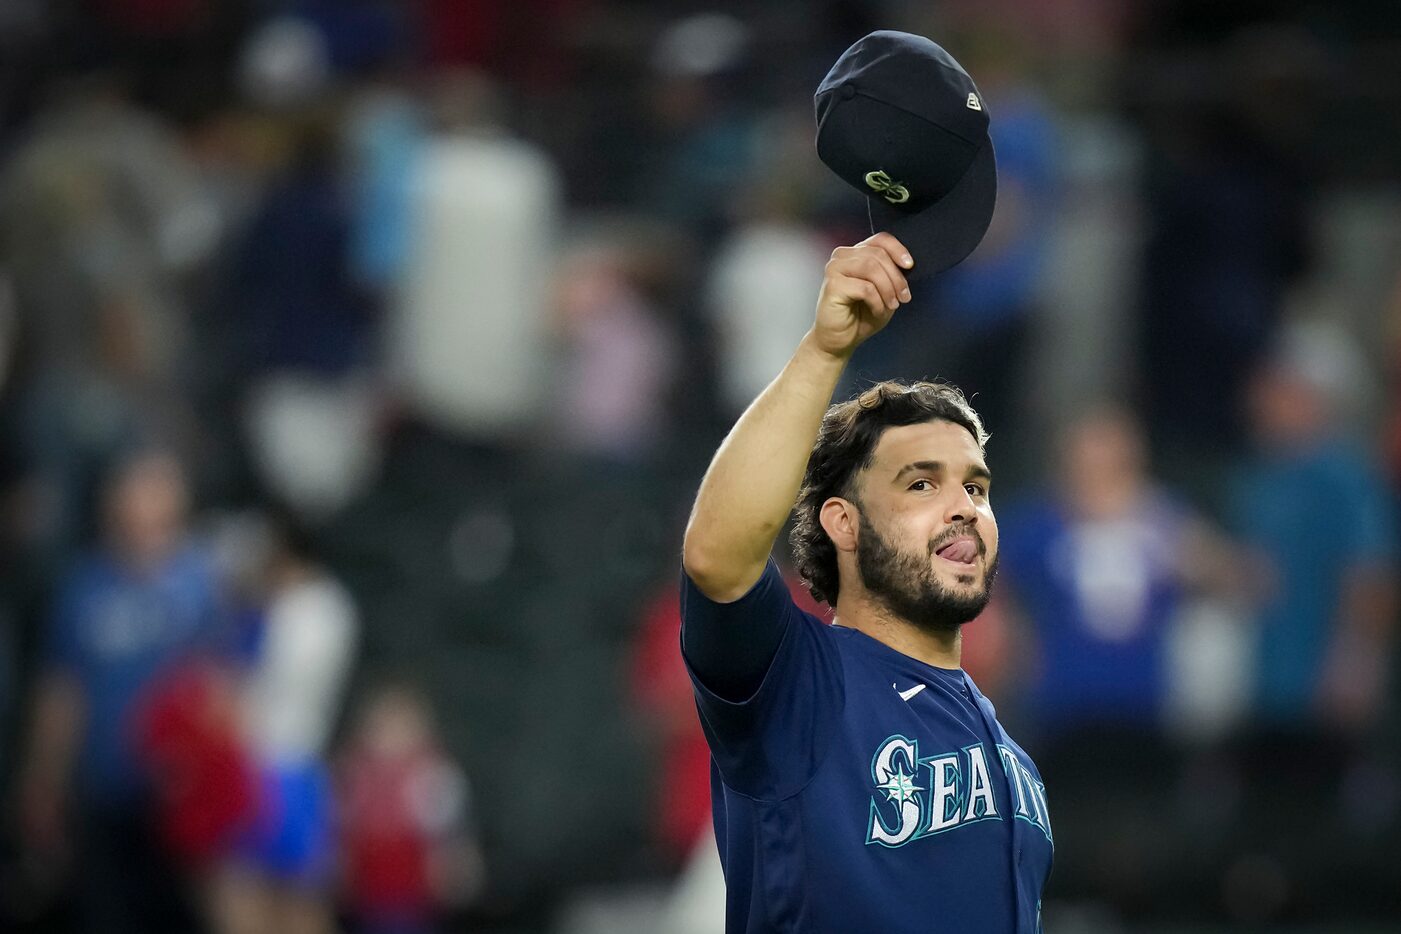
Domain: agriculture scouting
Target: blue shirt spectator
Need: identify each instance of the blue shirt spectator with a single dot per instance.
(120, 619)
(1314, 510)
(1314, 514)
(1100, 594)
(1100, 565)
(114, 630)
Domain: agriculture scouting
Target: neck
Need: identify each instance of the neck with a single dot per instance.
(289, 574)
(939, 648)
(1108, 499)
(142, 558)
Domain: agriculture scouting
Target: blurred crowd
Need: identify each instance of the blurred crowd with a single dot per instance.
(359, 359)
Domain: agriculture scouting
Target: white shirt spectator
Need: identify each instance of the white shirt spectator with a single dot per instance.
(760, 296)
(295, 689)
(469, 333)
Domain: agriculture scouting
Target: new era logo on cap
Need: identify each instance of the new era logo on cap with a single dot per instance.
(973, 103)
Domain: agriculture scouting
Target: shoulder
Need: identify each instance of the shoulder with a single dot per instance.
(193, 571)
(192, 560)
(766, 596)
(86, 573)
(1030, 516)
(322, 595)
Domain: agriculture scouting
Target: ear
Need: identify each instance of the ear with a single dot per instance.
(840, 519)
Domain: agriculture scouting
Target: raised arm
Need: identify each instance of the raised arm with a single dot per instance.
(753, 480)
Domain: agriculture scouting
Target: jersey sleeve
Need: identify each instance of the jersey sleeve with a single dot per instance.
(768, 684)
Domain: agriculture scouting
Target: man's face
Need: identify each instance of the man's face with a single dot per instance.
(927, 547)
(146, 507)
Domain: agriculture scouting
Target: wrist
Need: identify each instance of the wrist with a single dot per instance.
(811, 347)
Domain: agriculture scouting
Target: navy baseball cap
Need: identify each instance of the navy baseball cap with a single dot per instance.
(901, 121)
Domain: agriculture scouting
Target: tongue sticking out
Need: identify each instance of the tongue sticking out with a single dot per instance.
(962, 550)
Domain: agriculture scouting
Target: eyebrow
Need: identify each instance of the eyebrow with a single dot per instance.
(976, 470)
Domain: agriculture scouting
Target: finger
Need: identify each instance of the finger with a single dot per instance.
(893, 248)
(862, 289)
(902, 286)
(868, 264)
(897, 275)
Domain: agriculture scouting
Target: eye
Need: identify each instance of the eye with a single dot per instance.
(921, 485)
(975, 489)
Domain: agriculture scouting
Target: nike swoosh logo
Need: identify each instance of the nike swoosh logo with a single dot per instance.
(906, 695)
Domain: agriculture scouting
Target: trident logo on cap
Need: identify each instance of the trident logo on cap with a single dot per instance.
(889, 189)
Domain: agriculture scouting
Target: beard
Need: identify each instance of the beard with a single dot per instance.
(905, 582)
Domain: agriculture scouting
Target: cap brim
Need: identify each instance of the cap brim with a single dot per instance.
(943, 234)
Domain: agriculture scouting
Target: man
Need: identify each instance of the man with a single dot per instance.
(860, 781)
(1102, 566)
(122, 619)
(1311, 508)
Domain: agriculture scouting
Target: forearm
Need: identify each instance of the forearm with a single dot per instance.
(753, 481)
(1368, 608)
(58, 714)
(1355, 674)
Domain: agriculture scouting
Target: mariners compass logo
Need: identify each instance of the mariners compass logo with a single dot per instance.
(889, 189)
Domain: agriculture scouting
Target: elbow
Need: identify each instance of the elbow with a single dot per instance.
(722, 577)
(699, 563)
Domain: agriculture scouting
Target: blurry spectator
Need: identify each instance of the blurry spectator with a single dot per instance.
(385, 129)
(302, 662)
(1314, 509)
(102, 191)
(102, 218)
(309, 334)
(279, 879)
(299, 306)
(468, 330)
(407, 848)
(1098, 566)
(759, 299)
(121, 618)
(619, 356)
(204, 784)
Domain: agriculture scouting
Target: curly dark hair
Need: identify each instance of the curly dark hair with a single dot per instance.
(845, 445)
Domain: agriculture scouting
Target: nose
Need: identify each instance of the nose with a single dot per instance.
(961, 508)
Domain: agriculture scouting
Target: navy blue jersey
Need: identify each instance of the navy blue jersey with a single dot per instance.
(858, 789)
